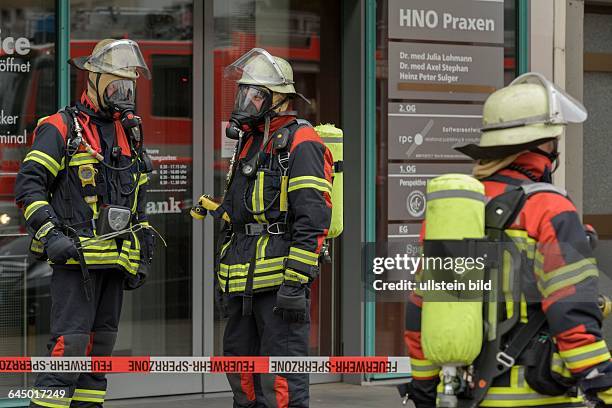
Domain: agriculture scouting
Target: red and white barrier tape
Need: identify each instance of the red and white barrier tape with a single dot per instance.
(198, 365)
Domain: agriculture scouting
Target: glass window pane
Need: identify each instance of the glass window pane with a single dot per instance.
(390, 316)
(27, 93)
(162, 309)
(295, 31)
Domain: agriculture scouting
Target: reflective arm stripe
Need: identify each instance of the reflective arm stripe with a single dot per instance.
(423, 369)
(45, 160)
(303, 256)
(292, 275)
(586, 356)
(44, 230)
(559, 367)
(565, 276)
(317, 183)
(33, 207)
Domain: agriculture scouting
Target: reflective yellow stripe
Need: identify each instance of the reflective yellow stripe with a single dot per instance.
(296, 183)
(307, 257)
(36, 246)
(89, 395)
(31, 209)
(292, 275)
(52, 402)
(44, 230)
(262, 242)
(82, 158)
(45, 160)
(565, 276)
(586, 356)
(559, 367)
(606, 396)
(257, 198)
(143, 179)
(423, 368)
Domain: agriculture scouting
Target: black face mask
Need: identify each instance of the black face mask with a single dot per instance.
(120, 96)
(554, 159)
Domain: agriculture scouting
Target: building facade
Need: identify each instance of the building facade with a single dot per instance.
(404, 80)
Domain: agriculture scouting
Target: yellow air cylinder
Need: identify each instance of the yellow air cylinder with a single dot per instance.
(452, 327)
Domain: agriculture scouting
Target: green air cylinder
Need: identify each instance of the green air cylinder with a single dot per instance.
(452, 327)
(333, 139)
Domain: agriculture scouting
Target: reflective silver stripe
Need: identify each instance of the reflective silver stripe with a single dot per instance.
(569, 275)
(82, 394)
(472, 195)
(511, 397)
(268, 282)
(421, 368)
(584, 356)
(332, 139)
(521, 377)
(533, 188)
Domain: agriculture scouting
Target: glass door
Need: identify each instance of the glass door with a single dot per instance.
(28, 92)
(307, 34)
(157, 319)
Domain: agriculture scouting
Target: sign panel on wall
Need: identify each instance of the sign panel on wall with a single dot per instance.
(407, 186)
(428, 131)
(443, 20)
(444, 72)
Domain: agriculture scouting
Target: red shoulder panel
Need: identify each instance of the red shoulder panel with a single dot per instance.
(305, 134)
(56, 120)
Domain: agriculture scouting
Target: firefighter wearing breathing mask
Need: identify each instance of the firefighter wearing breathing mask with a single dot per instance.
(82, 190)
(278, 207)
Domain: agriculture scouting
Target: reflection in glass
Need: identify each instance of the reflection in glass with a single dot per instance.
(293, 31)
(27, 93)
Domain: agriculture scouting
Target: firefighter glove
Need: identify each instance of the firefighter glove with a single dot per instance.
(292, 302)
(597, 384)
(135, 281)
(59, 247)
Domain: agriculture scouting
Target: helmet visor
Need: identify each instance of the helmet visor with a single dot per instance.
(252, 100)
(122, 90)
(256, 67)
(116, 56)
(563, 108)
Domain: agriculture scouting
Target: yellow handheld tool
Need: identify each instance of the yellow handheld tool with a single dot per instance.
(206, 202)
(605, 304)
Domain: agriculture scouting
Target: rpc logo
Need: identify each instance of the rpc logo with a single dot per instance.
(11, 45)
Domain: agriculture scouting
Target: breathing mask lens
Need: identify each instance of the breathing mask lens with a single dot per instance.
(252, 101)
(120, 95)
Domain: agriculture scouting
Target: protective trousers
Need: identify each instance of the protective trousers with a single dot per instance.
(80, 327)
(265, 333)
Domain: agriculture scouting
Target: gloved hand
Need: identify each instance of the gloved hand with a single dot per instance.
(59, 247)
(292, 302)
(597, 384)
(147, 243)
(135, 281)
(422, 393)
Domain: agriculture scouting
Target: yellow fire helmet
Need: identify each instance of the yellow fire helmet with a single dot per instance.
(528, 112)
(257, 67)
(121, 58)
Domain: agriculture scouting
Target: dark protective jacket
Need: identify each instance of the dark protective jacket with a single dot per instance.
(52, 195)
(291, 239)
(551, 237)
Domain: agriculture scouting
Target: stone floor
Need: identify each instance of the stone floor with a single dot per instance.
(337, 395)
